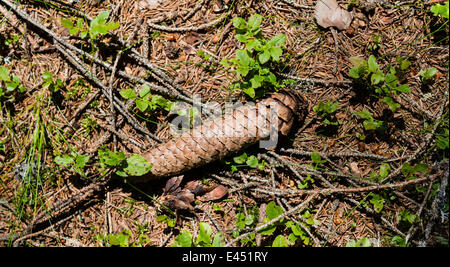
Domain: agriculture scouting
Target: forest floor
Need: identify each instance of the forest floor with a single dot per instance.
(367, 167)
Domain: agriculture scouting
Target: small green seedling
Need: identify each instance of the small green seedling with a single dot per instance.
(204, 238)
(171, 222)
(383, 172)
(254, 65)
(370, 123)
(247, 161)
(88, 124)
(74, 162)
(135, 165)
(376, 44)
(411, 172)
(11, 81)
(327, 112)
(442, 140)
(408, 217)
(145, 101)
(297, 233)
(51, 84)
(377, 202)
(98, 26)
(427, 75)
(385, 85)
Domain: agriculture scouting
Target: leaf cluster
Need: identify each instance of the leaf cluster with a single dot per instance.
(327, 112)
(247, 161)
(254, 64)
(205, 238)
(97, 27)
(145, 101)
(297, 234)
(370, 123)
(135, 165)
(11, 81)
(50, 83)
(385, 85)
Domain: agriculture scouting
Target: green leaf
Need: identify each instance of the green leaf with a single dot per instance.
(74, 31)
(355, 72)
(159, 100)
(372, 64)
(273, 210)
(256, 81)
(145, 91)
(250, 92)
(112, 158)
(252, 161)
(364, 114)
(137, 165)
(269, 229)
(241, 38)
(243, 57)
(264, 56)
(67, 23)
(204, 233)
(142, 104)
(4, 74)
(118, 240)
(218, 240)
(65, 160)
(47, 76)
(81, 160)
(254, 22)
(278, 40)
(441, 10)
(184, 239)
(240, 159)
(404, 88)
(316, 158)
(376, 78)
(378, 202)
(275, 53)
(371, 125)
(428, 74)
(253, 44)
(405, 64)
(128, 93)
(384, 170)
(239, 23)
(280, 241)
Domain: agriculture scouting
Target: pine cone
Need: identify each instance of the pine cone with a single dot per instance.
(222, 136)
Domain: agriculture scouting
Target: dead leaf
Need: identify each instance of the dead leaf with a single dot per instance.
(355, 169)
(196, 187)
(173, 184)
(329, 14)
(215, 194)
(186, 196)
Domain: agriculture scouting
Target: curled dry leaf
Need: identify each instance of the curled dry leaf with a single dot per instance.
(215, 194)
(173, 184)
(186, 196)
(329, 14)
